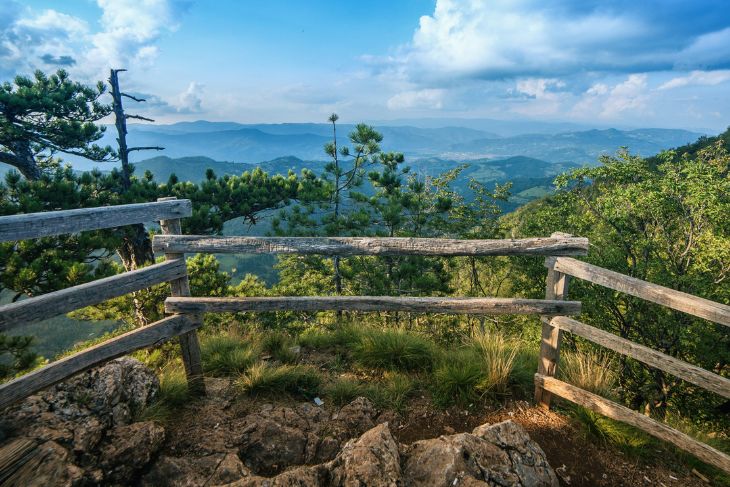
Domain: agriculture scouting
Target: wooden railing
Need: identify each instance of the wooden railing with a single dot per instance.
(559, 268)
(35, 225)
(187, 311)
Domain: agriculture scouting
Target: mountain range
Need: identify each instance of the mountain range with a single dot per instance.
(253, 143)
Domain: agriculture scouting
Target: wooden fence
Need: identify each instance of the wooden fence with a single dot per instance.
(186, 311)
(559, 270)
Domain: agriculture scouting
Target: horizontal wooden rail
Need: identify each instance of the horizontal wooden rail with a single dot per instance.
(683, 370)
(482, 306)
(700, 307)
(620, 413)
(52, 373)
(46, 224)
(345, 246)
(58, 302)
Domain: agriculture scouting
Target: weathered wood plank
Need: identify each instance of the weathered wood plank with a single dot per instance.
(620, 413)
(345, 246)
(700, 307)
(48, 223)
(482, 306)
(189, 344)
(691, 373)
(556, 287)
(52, 373)
(45, 306)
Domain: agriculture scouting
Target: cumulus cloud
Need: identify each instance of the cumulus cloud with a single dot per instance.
(190, 100)
(128, 36)
(417, 99)
(531, 38)
(698, 78)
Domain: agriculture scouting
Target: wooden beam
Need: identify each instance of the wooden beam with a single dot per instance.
(345, 246)
(621, 413)
(45, 306)
(52, 373)
(189, 343)
(691, 373)
(480, 306)
(48, 223)
(556, 287)
(700, 307)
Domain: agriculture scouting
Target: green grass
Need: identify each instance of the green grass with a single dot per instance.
(498, 360)
(456, 379)
(343, 338)
(589, 370)
(172, 396)
(393, 391)
(226, 355)
(395, 350)
(297, 380)
(628, 439)
(279, 346)
(343, 391)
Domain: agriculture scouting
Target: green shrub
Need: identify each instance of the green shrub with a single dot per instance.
(343, 337)
(395, 350)
(279, 346)
(172, 396)
(498, 355)
(263, 378)
(457, 378)
(226, 355)
(630, 440)
(393, 391)
(592, 371)
(343, 391)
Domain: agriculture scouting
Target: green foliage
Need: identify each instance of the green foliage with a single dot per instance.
(394, 350)
(297, 380)
(45, 115)
(662, 220)
(15, 355)
(343, 337)
(610, 432)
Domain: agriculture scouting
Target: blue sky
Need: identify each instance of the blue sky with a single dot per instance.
(621, 63)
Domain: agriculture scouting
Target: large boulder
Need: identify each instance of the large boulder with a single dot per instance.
(275, 438)
(372, 460)
(501, 454)
(84, 426)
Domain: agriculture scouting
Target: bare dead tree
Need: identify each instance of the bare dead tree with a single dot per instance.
(136, 248)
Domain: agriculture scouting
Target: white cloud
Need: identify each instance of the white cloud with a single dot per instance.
(417, 99)
(698, 78)
(128, 37)
(190, 100)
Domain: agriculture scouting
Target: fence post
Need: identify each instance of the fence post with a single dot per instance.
(188, 341)
(556, 287)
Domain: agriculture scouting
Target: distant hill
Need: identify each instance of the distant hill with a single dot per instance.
(582, 147)
(187, 168)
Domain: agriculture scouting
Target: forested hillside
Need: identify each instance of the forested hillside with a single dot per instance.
(662, 219)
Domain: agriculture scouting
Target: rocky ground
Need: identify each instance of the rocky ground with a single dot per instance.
(82, 433)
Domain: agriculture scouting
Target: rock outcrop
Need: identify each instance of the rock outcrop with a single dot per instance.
(81, 431)
(492, 455)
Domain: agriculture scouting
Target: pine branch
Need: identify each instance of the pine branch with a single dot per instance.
(144, 148)
(139, 117)
(133, 97)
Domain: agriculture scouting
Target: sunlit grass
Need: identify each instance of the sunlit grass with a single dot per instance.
(262, 378)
